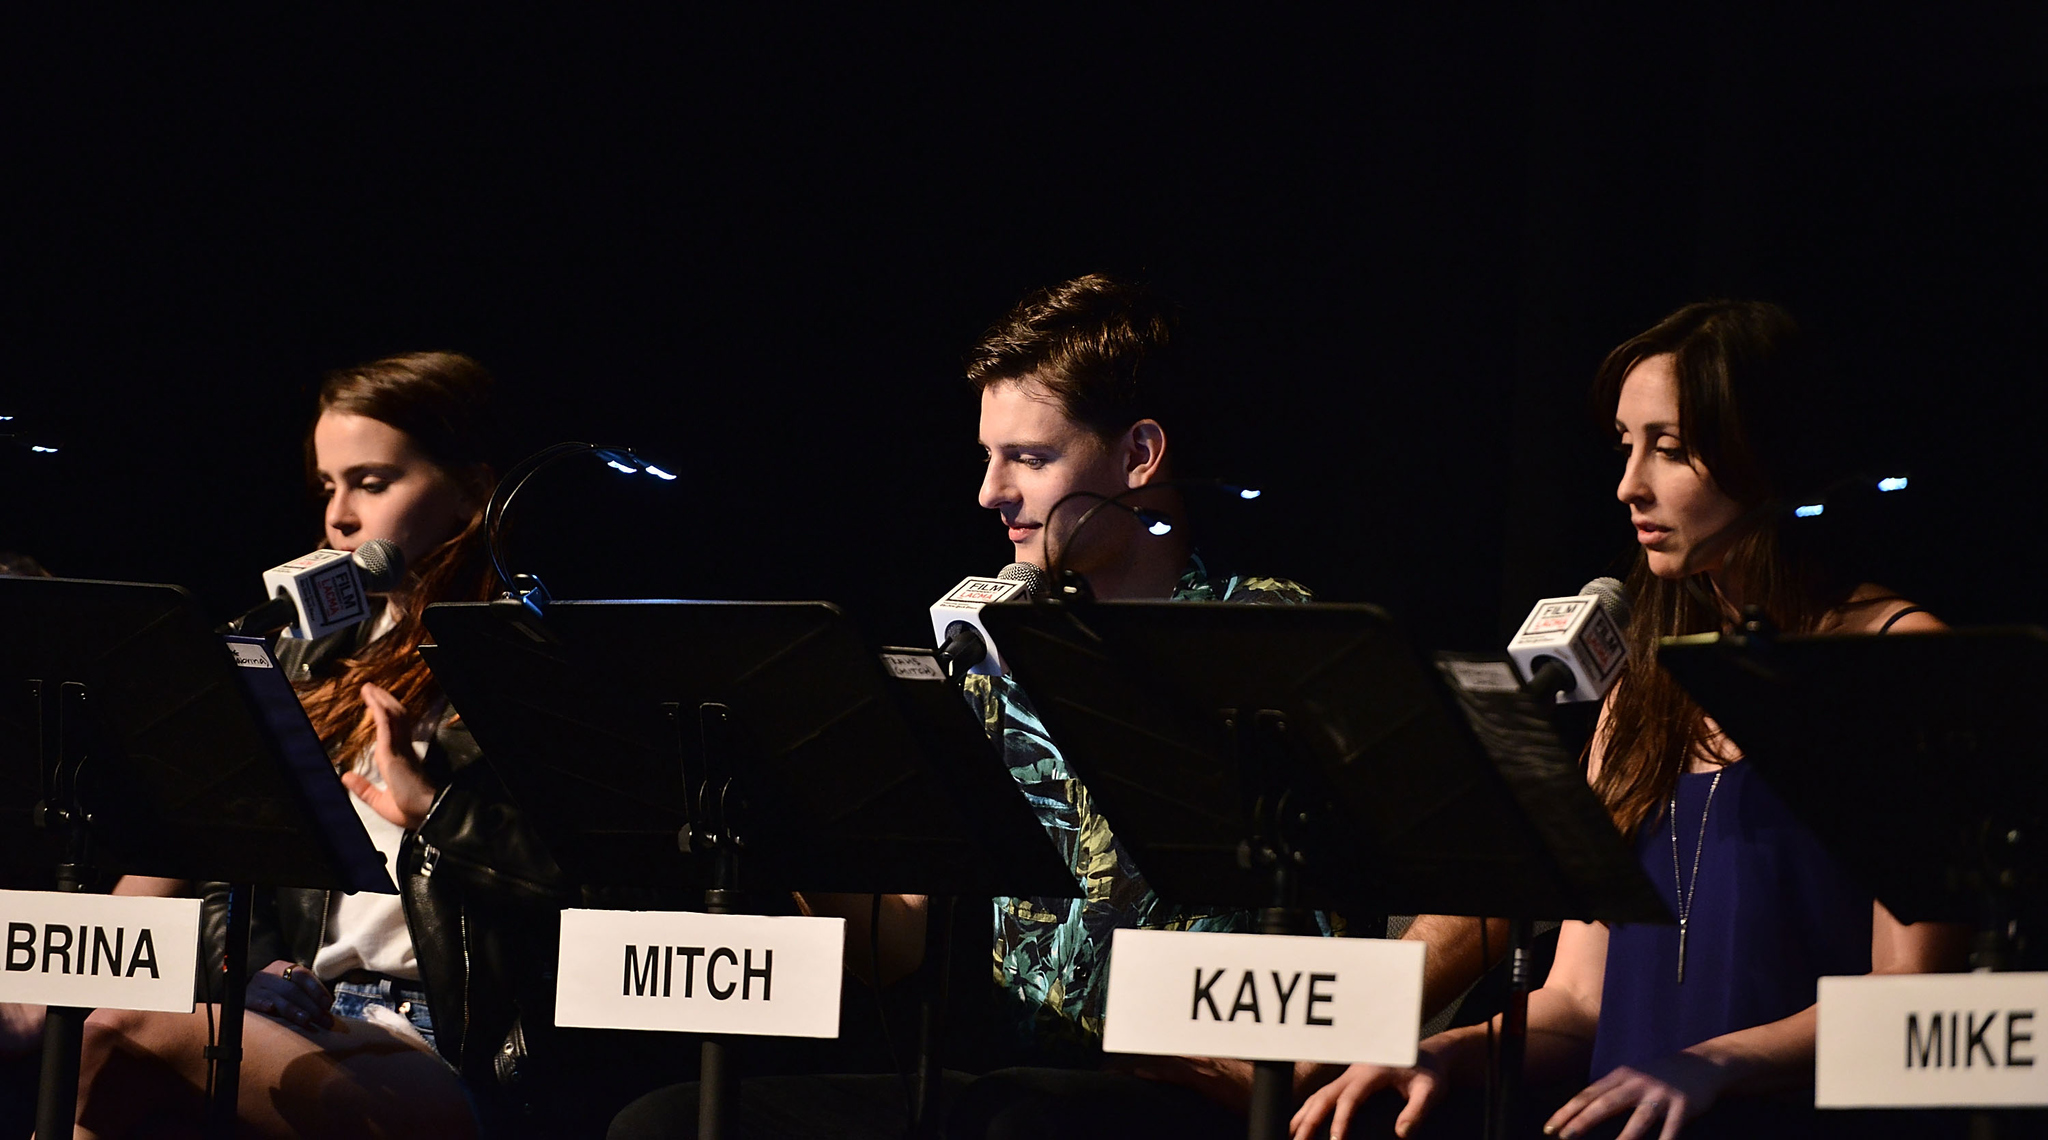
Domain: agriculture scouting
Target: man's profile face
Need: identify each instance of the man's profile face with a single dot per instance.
(1036, 457)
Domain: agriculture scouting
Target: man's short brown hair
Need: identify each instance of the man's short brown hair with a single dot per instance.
(1104, 347)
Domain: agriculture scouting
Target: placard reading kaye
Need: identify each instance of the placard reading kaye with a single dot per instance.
(99, 951)
(700, 973)
(1263, 997)
(1932, 1040)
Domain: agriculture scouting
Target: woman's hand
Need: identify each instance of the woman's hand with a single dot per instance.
(1422, 1086)
(290, 993)
(406, 795)
(1665, 1093)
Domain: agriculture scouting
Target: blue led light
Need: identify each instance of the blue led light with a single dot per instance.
(1894, 483)
(627, 468)
(1810, 510)
(1155, 522)
(40, 448)
(1248, 493)
(658, 473)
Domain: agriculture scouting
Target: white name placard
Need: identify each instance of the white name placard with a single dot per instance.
(1263, 997)
(700, 973)
(1932, 1040)
(99, 951)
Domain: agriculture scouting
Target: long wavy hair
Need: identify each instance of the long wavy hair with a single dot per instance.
(1751, 416)
(441, 401)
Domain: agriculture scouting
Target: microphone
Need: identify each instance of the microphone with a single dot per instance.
(326, 590)
(1571, 649)
(964, 643)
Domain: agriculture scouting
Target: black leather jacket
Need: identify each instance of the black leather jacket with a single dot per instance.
(482, 899)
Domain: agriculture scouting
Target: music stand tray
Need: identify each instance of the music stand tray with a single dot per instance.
(617, 729)
(1916, 758)
(1421, 796)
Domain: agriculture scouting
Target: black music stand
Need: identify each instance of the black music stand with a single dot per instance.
(1276, 757)
(683, 744)
(132, 744)
(1916, 758)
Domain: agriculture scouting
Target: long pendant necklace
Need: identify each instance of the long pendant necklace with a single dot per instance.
(1683, 892)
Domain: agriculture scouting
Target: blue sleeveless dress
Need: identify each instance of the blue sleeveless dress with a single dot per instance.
(1771, 914)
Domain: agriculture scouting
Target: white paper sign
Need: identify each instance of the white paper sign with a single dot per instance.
(99, 951)
(700, 973)
(1932, 1040)
(1263, 997)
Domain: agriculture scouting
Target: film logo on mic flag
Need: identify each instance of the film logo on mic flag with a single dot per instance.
(1581, 634)
(325, 588)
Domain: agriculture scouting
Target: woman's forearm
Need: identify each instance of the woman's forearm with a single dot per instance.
(1560, 1043)
(1765, 1058)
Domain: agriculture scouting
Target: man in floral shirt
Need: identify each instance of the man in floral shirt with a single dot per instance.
(1075, 384)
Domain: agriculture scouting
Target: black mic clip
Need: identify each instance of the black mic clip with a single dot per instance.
(964, 647)
(1551, 678)
(526, 590)
(524, 605)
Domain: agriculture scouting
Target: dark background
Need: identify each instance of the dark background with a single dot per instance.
(755, 247)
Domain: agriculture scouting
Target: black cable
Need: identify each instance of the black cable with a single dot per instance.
(1055, 561)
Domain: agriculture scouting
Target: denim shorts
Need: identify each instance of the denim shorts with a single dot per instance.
(408, 1000)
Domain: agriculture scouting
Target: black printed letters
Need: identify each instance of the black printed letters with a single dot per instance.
(94, 951)
(1257, 1000)
(652, 971)
(1955, 1039)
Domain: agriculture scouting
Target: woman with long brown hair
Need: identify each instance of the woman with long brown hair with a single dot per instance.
(366, 1007)
(1720, 428)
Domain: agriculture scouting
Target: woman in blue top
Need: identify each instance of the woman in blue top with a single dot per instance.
(1717, 428)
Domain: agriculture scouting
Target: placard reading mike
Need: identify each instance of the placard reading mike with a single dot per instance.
(1263, 997)
(1932, 1040)
(700, 973)
(99, 951)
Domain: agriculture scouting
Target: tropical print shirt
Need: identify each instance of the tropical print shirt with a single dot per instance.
(1052, 955)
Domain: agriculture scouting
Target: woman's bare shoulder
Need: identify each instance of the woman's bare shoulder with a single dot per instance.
(1872, 608)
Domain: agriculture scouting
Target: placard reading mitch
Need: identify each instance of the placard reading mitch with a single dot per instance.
(700, 973)
(1261, 997)
(1932, 1040)
(98, 951)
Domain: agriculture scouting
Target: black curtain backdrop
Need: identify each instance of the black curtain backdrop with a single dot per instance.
(756, 245)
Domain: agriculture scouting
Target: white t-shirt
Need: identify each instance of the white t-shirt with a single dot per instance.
(366, 931)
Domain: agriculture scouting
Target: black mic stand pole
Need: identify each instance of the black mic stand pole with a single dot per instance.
(223, 1103)
(64, 746)
(937, 980)
(712, 831)
(1514, 1028)
(1259, 740)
